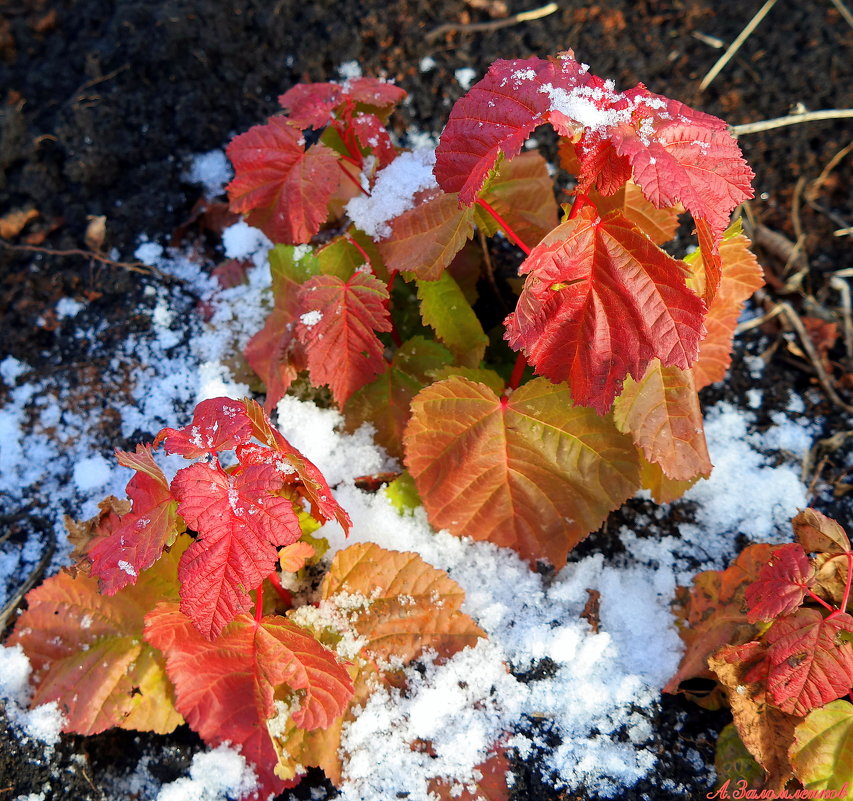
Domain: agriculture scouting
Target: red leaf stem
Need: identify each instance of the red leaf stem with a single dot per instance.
(351, 176)
(283, 594)
(580, 202)
(259, 602)
(825, 604)
(503, 224)
(517, 372)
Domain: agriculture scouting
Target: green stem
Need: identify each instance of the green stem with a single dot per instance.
(513, 236)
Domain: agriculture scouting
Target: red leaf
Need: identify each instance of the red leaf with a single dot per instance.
(284, 189)
(226, 689)
(781, 585)
(496, 115)
(138, 541)
(675, 153)
(600, 302)
(373, 136)
(337, 326)
(239, 521)
(219, 424)
(286, 458)
(310, 105)
(811, 660)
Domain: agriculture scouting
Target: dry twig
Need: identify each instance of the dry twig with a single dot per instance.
(791, 119)
(493, 25)
(736, 44)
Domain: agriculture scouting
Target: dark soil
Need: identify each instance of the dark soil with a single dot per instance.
(107, 101)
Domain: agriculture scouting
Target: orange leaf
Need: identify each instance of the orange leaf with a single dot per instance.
(662, 414)
(532, 472)
(87, 651)
(659, 225)
(741, 276)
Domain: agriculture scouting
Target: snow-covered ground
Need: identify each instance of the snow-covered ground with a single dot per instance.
(53, 455)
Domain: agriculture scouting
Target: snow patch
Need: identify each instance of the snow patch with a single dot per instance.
(212, 170)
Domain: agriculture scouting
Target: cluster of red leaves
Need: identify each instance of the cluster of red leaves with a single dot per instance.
(150, 628)
(604, 314)
(773, 629)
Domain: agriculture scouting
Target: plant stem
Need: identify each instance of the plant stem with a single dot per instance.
(580, 202)
(283, 594)
(259, 602)
(843, 608)
(517, 372)
(822, 602)
(351, 176)
(395, 334)
(503, 224)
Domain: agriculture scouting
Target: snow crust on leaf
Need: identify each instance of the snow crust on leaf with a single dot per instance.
(600, 302)
(410, 605)
(138, 540)
(534, 472)
(662, 414)
(87, 654)
(239, 520)
(781, 585)
(393, 193)
(495, 117)
(283, 188)
(676, 154)
(810, 660)
(822, 751)
(226, 688)
(342, 347)
(219, 424)
(741, 276)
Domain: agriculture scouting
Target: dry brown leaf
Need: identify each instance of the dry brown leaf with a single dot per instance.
(13, 223)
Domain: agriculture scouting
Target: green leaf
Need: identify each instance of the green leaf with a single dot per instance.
(403, 493)
(340, 258)
(822, 751)
(732, 759)
(385, 401)
(445, 309)
(531, 471)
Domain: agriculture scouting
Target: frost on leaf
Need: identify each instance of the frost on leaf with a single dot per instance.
(662, 414)
(781, 585)
(392, 607)
(822, 751)
(675, 154)
(219, 424)
(385, 402)
(811, 660)
(495, 117)
(287, 460)
(240, 521)
(138, 540)
(411, 606)
(226, 689)
(818, 533)
(601, 301)
(283, 188)
(714, 613)
(766, 731)
(87, 652)
(532, 472)
(741, 276)
(338, 324)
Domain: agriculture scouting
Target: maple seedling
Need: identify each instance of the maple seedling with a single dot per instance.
(381, 308)
(154, 626)
(775, 630)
